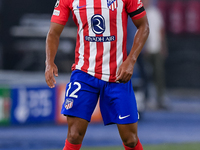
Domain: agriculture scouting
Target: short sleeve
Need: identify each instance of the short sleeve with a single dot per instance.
(135, 9)
(61, 12)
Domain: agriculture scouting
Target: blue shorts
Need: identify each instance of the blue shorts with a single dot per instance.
(117, 100)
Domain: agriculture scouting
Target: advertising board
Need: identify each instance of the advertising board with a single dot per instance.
(32, 105)
(4, 105)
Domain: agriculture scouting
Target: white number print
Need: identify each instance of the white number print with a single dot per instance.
(75, 91)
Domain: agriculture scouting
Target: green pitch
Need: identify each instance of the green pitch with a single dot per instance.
(183, 146)
(187, 146)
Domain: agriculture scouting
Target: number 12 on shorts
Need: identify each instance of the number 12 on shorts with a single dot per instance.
(73, 94)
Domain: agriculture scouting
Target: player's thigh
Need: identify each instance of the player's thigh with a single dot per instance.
(77, 124)
(76, 129)
(128, 132)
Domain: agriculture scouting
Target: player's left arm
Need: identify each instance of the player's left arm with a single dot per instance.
(125, 71)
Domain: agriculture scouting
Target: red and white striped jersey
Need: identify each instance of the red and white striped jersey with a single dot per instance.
(101, 34)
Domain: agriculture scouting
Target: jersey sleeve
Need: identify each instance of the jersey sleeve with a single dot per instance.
(135, 9)
(61, 12)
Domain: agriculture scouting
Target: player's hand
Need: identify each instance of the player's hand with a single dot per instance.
(50, 71)
(125, 72)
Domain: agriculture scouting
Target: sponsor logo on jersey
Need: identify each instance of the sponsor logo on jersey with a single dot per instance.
(98, 24)
(100, 38)
(112, 4)
(98, 27)
(78, 7)
(56, 12)
(57, 3)
(69, 103)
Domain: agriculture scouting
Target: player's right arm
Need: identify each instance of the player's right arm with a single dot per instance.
(58, 20)
(52, 42)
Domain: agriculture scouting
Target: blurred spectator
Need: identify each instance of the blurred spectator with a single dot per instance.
(155, 50)
(176, 17)
(1, 49)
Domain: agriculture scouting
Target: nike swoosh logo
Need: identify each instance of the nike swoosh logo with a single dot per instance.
(80, 6)
(120, 117)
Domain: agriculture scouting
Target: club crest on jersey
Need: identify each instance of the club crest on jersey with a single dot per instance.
(112, 4)
(57, 3)
(69, 103)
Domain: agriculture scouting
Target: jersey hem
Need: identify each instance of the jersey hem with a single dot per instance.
(92, 74)
(58, 21)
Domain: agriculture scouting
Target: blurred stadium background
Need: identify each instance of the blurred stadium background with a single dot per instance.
(29, 110)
